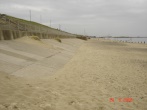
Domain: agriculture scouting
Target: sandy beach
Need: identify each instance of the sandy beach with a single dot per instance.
(96, 74)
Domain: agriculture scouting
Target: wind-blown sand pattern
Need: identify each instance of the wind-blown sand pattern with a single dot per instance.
(49, 75)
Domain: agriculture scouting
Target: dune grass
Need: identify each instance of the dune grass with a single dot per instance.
(58, 39)
(82, 37)
(35, 38)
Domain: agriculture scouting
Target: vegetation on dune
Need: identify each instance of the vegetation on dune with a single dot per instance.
(82, 37)
(27, 22)
(32, 23)
(13, 23)
(35, 38)
(58, 39)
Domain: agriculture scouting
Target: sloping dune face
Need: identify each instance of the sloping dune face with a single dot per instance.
(26, 55)
(97, 75)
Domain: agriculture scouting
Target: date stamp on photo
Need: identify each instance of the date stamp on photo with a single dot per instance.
(121, 99)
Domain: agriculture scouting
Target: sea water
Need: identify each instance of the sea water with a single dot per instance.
(137, 40)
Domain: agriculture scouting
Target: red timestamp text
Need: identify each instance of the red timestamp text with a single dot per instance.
(121, 99)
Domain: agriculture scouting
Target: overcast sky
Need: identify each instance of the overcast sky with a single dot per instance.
(96, 17)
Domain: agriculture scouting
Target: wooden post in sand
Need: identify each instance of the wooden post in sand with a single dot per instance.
(1, 35)
(9, 24)
(19, 34)
(11, 35)
(40, 35)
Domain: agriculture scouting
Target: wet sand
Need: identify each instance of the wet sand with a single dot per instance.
(98, 71)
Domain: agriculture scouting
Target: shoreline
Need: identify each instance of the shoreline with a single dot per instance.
(130, 40)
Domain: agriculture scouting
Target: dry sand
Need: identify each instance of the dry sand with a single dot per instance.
(98, 71)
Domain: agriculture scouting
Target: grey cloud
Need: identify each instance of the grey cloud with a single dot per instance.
(98, 17)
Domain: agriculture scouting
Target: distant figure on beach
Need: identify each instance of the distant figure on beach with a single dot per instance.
(144, 42)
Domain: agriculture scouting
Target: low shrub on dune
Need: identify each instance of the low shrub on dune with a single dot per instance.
(82, 37)
(35, 38)
(58, 39)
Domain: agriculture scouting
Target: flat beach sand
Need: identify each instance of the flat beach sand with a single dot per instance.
(96, 74)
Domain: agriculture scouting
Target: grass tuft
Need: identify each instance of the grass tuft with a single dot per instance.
(82, 37)
(35, 38)
(58, 39)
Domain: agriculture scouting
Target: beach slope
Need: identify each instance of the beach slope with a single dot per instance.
(102, 75)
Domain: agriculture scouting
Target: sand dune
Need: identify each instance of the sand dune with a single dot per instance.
(98, 71)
